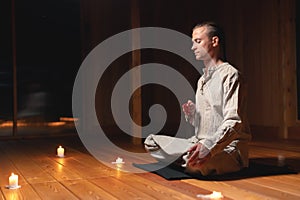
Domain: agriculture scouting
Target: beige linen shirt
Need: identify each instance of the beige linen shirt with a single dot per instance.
(219, 120)
(220, 115)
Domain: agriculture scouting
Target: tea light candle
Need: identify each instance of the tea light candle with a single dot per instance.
(213, 196)
(119, 160)
(13, 180)
(119, 163)
(216, 195)
(60, 152)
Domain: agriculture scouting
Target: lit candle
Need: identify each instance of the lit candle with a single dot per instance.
(60, 152)
(216, 195)
(119, 160)
(13, 180)
(213, 196)
(119, 163)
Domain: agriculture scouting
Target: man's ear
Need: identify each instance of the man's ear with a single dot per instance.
(215, 41)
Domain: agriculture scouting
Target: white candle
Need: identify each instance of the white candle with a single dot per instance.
(60, 152)
(13, 180)
(119, 163)
(119, 160)
(216, 195)
(213, 196)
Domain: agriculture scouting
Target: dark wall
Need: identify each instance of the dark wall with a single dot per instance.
(260, 42)
(53, 37)
(45, 39)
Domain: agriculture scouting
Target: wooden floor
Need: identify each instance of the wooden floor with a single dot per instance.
(42, 175)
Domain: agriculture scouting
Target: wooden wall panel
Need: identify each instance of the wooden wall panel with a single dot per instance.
(287, 61)
(260, 55)
(101, 20)
(260, 39)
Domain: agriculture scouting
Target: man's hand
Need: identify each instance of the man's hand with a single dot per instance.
(188, 109)
(199, 155)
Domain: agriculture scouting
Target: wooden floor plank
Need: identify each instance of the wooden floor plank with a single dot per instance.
(86, 190)
(57, 170)
(119, 189)
(84, 170)
(274, 183)
(248, 185)
(228, 190)
(53, 190)
(154, 189)
(1, 194)
(48, 164)
(293, 179)
(83, 164)
(108, 156)
(6, 168)
(75, 164)
(25, 192)
(175, 184)
(29, 170)
(80, 176)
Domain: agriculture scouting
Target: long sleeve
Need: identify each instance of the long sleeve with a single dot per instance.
(231, 127)
(221, 111)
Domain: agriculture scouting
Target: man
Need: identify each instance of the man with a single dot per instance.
(220, 143)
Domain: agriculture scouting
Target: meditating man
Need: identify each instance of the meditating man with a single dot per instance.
(220, 143)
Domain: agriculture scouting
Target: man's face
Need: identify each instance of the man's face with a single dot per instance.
(202, 44)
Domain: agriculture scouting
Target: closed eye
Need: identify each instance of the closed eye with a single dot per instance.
(197, 41)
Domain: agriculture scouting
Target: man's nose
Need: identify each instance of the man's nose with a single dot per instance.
(193, 47)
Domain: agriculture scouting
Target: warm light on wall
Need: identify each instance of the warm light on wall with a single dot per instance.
(51, 124)
(23, 123)
(68, 119)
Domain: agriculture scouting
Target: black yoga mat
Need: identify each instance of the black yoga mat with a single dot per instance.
(255, 169)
